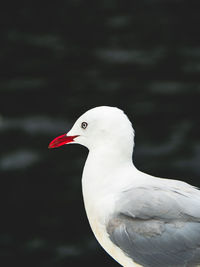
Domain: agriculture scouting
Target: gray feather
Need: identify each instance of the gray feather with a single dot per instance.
(158, 226)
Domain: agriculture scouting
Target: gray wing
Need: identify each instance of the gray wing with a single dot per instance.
(157, 227)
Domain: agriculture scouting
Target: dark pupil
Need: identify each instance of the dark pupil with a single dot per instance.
(84, 125)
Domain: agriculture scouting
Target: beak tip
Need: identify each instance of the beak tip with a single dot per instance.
(51, 145)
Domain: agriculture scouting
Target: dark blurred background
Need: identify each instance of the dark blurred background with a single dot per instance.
(59, 59)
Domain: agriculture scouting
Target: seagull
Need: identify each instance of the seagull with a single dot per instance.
(139, 219)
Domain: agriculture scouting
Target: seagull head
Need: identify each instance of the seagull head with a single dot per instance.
(99, 127)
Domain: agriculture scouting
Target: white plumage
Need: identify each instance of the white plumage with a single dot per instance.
(140, 220)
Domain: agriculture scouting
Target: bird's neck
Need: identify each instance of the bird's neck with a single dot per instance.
(107, 160)
(101, 168)
(104, 176)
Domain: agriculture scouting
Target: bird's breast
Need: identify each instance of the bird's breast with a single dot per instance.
(99, 205)
(98, 226)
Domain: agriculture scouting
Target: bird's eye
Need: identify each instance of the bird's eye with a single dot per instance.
(84, 125)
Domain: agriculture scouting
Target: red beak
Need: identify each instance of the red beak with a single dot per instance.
(61, 140)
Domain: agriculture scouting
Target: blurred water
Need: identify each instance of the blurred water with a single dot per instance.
(34, 125)
(17, 160)
(57, 61)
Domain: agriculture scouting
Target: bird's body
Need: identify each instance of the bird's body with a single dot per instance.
(100, 202)
(140, 220)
